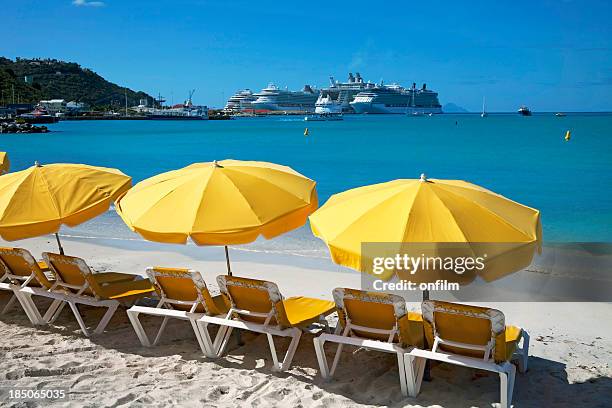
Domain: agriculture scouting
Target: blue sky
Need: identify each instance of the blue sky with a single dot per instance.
(550, 55)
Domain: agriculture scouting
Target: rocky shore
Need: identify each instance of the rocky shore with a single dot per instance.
(14, 127)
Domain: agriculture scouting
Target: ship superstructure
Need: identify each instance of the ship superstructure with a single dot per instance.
(272, 98)
(338, 96)
(397, 99)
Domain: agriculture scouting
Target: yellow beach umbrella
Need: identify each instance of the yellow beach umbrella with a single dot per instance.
(5, 163)
(219, 203)
(40, 199)
(436, 217)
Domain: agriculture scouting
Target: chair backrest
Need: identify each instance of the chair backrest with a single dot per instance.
(73, 273)
(378, 316)
(18, 264)
(182, 289)
(262, 299)
(464, 329)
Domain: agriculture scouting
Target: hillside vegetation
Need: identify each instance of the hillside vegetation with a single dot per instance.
(50, 78)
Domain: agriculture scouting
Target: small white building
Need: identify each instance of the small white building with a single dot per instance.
(74, 106)
(54, 106)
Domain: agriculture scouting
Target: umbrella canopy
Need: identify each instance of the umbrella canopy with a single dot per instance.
(219, 203)
(38, 200)
(433, 214)
(5, 163)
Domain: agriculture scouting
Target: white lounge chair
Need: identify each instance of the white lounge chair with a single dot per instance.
(258, 306)
(373, 321)
(19, 270)
(75, 283)
(471, 336)
(183, 295)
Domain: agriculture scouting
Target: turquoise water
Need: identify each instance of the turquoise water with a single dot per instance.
(523, 158)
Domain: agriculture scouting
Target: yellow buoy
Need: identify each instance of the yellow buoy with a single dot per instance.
(306, 132)
(568, 136)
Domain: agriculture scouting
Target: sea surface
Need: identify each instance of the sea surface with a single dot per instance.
(523, 158)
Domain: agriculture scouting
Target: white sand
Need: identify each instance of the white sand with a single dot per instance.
(570, 354)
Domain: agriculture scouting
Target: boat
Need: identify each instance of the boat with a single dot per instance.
(241, 101)
(323, 117)
(184, 111)
(397, 99)
(484, 112)
(523, 110)
(38, 115)
(273, 98)
(338, 96)
(560, 114)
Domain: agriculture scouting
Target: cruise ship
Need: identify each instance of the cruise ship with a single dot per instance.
(273, 98)
(397, 99)
(337, 98)
(241, 101)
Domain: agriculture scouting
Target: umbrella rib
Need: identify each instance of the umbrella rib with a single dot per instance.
(368, 210)
(266, 180)
(493, 213)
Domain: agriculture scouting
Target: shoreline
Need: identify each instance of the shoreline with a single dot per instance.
(570, 352)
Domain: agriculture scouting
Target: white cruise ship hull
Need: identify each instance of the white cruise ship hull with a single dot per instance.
(282, 108)
(367, 107)
(331, 108)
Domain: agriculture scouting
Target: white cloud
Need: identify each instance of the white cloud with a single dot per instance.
(87, 3)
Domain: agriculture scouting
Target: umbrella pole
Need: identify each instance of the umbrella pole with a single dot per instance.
(426, 295)
(229, 273)
(59, 244)
(427, 371)
(227, 261)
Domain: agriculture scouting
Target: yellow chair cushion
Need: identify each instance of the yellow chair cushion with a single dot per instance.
(301, 311)
(129, 290)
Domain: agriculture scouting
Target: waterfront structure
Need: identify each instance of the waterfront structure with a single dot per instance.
(53, 106)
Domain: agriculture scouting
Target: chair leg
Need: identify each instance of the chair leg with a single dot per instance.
(203, 337)
(57, 313)
(106, 318)
(295, 341)
(506, 378)
(140, 332)
(286, 363)
(319, 346)
(9, 304)
(161, 330)
(415, 369)
(336, 360)
(222, 339)
(524, 358)
(29, 307)
(54, 311)
(77, 315)
(406, 375)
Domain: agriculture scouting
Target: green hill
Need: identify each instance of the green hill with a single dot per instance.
(53, 79)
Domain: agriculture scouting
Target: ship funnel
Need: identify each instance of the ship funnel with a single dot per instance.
(358, 77)
(424, 86)
(351, 78)
(414, 85)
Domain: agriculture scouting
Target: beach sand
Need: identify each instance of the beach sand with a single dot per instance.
(570, 354)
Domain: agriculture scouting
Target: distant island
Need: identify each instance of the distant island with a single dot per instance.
(452, 108)
(31, 80)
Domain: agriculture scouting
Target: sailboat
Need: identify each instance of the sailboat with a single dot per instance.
(484, 112)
